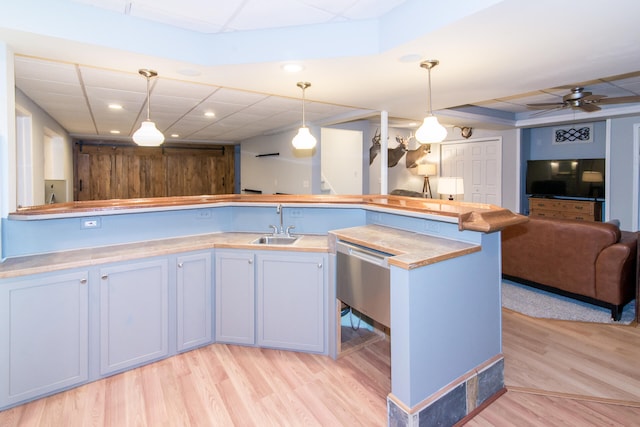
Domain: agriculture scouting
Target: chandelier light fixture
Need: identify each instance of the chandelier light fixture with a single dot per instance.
(431, 130)
(303, 140)
(148, 135)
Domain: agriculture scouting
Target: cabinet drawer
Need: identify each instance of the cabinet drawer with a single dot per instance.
(545, 213)
(586, 208)
(544, 204)
(577, 215)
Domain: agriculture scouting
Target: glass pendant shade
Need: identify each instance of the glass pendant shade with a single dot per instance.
(304, 140)
(431, 131)
(148, 135)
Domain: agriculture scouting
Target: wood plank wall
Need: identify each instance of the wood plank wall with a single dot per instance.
(104, 170)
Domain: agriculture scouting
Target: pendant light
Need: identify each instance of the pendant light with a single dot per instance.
(148, 135)
(303, 140)
(431, 130)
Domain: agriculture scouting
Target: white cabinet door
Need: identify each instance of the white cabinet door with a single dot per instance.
(235, 297)
(43, 335)
(291, 301)
(134, 314)
(194, 303)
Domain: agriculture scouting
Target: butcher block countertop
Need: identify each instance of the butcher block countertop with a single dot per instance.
(34, 264)
(409, 250)
(469, 216)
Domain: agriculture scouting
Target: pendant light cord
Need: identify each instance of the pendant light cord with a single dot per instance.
(429, 94)
(429, 64)
(148, 101)
(303, 91)
(303, 86)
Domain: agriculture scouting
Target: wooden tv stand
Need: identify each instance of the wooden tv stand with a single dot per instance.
(585, 210)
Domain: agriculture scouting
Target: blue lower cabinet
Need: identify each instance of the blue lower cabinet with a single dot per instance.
(291, 301)
(235, 297)
(43, 335)
(134, 314)
(193, 300)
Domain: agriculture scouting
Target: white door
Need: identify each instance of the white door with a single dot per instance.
(479, 163)
(341, 161)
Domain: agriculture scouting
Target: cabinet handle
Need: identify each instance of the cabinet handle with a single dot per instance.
(250, 261)
(83, 281)
(180, 265)
(319, 265)
(105, 276)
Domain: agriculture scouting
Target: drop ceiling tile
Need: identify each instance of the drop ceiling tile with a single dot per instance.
(231, 96)
(116, 80)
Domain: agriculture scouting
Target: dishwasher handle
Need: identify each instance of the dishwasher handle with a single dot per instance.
(369, 255)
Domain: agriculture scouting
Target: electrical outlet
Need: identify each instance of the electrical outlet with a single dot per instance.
(90, 223)
(296, 213)
(203, 214)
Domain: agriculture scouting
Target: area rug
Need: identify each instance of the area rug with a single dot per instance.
(538, 303)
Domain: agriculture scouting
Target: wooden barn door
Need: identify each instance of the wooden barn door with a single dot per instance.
(110, 171)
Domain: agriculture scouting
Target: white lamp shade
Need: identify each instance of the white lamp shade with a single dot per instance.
(450, 185)
(304, 140)
(431, 131)
(148, 135)
(427, 169)
(591, 176)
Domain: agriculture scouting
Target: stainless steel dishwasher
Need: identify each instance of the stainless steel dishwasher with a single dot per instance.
(362, 280)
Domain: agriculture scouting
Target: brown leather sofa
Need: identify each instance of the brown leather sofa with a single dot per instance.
(589, 261)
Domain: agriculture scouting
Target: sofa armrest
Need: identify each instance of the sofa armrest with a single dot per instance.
(616, 272)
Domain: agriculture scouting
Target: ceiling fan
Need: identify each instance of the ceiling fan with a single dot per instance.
(579, 99)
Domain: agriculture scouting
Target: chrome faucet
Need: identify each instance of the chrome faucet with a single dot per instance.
(277, 230)
(289, 228)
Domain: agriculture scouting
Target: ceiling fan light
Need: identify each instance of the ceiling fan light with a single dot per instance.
(431, 131)
(303, 139)
(148, 135)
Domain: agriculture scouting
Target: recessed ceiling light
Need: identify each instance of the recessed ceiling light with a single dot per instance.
(115, 107)
(209, 114)
(174, 135)
(292, 68)
(114, 131)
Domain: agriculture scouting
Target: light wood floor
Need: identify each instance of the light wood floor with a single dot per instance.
(561, 373)
(557, 373)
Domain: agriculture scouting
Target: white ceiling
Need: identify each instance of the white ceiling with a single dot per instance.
(74, 57)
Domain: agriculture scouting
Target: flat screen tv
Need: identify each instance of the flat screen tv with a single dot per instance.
(575, 178)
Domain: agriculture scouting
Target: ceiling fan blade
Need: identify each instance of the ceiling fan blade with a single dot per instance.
(619, 100)
(539, 113)
(594, 98)
(546, 105)
(589, 108)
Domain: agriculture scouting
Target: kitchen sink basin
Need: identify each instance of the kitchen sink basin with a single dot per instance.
(275, 240)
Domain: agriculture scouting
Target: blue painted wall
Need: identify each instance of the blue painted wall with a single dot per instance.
(30, 237)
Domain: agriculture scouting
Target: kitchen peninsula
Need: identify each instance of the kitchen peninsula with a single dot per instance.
(165, 271)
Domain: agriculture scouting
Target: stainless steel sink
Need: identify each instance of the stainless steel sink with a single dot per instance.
(275, 240)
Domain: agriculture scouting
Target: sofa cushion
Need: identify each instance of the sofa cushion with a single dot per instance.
(556, 252)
